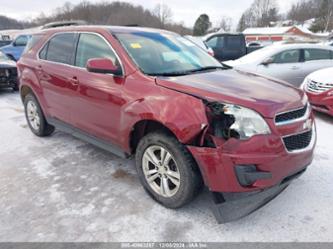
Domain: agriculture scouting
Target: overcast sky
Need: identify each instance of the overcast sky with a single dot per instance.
(183, 10)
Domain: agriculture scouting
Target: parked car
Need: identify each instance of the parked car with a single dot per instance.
(253, 46)
(8, 73)
(199, 42)
(185, 118)
(227, 46)
(288, 62)
(15, 49)
(319, 88)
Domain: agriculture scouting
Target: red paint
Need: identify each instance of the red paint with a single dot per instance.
(109, 107)
(322, 102)
(101, 65)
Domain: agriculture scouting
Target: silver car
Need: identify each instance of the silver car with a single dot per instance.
(288, 62)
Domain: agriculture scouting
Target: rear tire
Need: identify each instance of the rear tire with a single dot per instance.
(167, 170)
(35, 117)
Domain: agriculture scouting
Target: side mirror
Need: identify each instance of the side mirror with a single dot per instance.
(103, 66)
(267, 61)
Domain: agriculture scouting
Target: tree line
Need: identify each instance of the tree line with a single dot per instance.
(265, 13)
(106, 13)
(261, 13)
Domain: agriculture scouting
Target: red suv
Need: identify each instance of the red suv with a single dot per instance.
(186, 118)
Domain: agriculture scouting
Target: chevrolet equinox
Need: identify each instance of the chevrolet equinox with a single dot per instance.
(187, 119)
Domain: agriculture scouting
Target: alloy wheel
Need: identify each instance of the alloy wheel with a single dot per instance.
(161, 171)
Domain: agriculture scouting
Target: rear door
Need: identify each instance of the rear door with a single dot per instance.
(54, 72)
(286, 66)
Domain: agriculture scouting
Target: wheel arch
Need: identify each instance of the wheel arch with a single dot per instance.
(142, 128)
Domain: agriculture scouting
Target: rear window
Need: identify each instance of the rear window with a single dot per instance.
(59, 49)
(317, 54)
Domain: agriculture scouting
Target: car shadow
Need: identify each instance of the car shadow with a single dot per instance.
(324, 117)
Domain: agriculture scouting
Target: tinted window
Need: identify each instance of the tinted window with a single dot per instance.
(43, 52)
(235, 42)
(60, 48)
(289, 56)
(21, 41)
(92, 46)
(317, 54)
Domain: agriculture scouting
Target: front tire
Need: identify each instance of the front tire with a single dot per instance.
(35, 117)
(167, 170)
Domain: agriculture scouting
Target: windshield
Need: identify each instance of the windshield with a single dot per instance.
(3, 57)
(166, 54)
(258, 55)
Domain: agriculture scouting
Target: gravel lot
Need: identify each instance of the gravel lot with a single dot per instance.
(62, 189)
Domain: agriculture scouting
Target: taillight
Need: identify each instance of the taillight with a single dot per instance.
(211, 53)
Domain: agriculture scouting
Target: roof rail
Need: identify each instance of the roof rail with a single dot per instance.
(64, 24)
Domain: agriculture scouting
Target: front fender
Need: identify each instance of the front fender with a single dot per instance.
(182, 114)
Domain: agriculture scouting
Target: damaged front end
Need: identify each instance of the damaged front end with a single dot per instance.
(240, 160)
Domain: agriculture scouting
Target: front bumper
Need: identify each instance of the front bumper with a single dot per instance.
(322, 102)
(248, 174)
(228, 207)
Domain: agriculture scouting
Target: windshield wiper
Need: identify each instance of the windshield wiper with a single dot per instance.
(170, 74)
(207, 69)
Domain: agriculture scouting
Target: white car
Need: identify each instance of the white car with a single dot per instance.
(319, 88)
(288, 62)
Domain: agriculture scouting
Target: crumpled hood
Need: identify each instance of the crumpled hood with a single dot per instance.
(7, 64)
(266, 96)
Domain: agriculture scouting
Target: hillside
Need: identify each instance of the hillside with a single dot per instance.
(115, 13)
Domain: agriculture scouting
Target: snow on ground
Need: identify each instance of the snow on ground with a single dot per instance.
(62, 189)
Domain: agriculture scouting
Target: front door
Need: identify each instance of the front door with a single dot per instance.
(98, 97)
(285, 66)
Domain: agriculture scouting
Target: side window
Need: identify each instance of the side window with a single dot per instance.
(317, 54)
(60, 48)
(212, 43)
(21, 41)
(92, 46)
(32, 42)
(289, 56)
(43, 52)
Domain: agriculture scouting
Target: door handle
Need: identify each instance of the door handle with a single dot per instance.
(294, 67)
(74, 81)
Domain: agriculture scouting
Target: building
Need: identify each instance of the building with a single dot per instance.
(275, 34)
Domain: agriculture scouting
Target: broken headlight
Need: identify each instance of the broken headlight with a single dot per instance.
(236, 121)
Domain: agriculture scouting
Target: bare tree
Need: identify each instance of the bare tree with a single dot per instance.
(260, 14)
(225, 23)
(164, 14)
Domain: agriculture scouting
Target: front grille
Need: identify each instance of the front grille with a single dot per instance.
(317, 87)
(292, 115)
(298, 142)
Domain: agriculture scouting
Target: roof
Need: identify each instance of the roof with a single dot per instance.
(267, 31)
(112, 29)
(281, 31)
